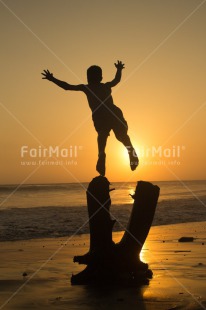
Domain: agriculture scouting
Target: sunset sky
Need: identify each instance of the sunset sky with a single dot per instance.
(162, 93)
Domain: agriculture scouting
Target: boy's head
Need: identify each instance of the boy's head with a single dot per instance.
(94, 74)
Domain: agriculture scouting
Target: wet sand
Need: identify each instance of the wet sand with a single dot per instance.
(35, 274)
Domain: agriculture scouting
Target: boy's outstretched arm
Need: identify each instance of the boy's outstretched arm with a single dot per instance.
(120, 66)
(49, 76)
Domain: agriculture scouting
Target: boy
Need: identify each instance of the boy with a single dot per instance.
(106, 116)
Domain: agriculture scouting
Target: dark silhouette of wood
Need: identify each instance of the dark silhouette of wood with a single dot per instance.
(116, 263)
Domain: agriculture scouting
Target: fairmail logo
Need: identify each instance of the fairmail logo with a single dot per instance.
(161, 152)
(50, 151)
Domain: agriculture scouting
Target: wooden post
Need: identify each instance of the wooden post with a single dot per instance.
(140, 222)
(109, 262)
(100, 223)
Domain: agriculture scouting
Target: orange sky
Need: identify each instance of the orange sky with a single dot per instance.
(162, 92)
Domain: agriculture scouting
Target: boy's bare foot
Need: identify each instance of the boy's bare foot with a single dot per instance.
(100, 167)
(134, 160)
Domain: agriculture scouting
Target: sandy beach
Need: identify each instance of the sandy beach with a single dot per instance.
(35, 274)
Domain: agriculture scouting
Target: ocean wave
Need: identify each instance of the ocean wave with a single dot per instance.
(57, 221)
(50, 210)
(42, 187)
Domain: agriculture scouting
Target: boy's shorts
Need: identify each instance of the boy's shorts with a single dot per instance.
(110, 119)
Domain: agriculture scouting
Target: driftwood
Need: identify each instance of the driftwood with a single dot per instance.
(116, 263)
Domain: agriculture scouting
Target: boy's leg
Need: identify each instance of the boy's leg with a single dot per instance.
(102, 141)
(125, 139)
(120, 129)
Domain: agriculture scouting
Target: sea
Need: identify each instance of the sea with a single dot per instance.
(59, 210)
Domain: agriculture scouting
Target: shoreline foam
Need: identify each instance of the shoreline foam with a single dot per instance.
(52, 222)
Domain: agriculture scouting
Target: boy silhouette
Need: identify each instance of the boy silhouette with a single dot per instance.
(106, 116)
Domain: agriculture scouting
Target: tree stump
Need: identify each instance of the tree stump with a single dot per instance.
(106, 261)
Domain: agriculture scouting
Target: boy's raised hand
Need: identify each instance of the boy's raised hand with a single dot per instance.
(47, 75)
(119, 65)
